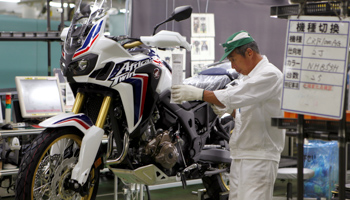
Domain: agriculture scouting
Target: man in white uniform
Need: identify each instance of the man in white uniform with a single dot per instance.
(255, 146)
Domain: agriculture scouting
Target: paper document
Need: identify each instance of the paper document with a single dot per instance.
(177, 75)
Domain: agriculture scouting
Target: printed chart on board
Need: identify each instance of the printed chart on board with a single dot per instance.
(315, 66)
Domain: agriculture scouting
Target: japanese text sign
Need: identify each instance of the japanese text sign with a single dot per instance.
(315, 66)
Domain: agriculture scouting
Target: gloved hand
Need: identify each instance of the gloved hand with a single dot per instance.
(181, 93)
(219, 111)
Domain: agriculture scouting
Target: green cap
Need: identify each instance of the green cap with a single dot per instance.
(236, 40)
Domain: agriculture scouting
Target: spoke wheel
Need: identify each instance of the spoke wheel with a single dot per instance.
(47, 166)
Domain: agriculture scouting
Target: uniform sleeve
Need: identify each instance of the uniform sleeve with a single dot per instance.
(256, 89)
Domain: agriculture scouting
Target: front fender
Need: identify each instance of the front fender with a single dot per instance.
(90, 143)
(81, 121)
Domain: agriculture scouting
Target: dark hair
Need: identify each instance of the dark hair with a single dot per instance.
(242, 49)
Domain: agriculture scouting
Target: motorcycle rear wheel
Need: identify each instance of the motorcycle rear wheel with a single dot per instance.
(47, 165)
(216, 185)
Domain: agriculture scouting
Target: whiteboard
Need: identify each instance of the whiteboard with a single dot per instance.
(315, 66)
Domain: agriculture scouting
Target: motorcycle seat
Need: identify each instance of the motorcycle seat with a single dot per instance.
(217, 71)
(213, 78)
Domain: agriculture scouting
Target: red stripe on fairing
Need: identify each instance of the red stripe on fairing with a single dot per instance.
(144, 90)
(76, 120)
(87, 48)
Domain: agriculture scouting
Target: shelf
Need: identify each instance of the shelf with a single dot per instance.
(313, 128)
(323, 8)
(309, 124)
(30, 36)
(20, 132)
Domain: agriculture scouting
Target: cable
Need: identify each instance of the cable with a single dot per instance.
(166, 13)
(199, 8)
(206, 8)
(148, 193)
(173, 22)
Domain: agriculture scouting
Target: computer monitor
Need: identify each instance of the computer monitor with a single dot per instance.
(39, 96)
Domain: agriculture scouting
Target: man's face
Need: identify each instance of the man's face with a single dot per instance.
(242, 64)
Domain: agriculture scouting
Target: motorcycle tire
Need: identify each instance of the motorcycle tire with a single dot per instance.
(43, 174)
(216, 185)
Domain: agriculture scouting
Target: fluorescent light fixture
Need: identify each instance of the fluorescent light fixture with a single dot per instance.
(10, 1)
(58, 5)
(123, 10)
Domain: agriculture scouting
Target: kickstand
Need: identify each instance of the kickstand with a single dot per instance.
(183, 180)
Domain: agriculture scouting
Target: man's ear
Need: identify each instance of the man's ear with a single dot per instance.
(249, 52)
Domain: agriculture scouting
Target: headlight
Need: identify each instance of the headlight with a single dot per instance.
(83, 66)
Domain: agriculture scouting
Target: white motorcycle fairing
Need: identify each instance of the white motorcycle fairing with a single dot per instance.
(90, 143)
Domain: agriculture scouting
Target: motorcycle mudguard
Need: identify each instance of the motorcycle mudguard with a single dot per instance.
(81, 121)
(90, 143)
(215, 155)
(89, 148)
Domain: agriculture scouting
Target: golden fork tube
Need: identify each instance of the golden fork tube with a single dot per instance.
(103, 111)
(78, 103)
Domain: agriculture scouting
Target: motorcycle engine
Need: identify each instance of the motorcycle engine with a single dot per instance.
(163, 150)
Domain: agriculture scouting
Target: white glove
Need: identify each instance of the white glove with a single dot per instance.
(181, 93)
(219, 111)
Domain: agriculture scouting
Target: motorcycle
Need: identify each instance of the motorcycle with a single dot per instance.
(122, 117)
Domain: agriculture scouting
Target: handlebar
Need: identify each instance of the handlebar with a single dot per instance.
(132, 45)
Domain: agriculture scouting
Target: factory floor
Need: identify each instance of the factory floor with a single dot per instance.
(169, 191)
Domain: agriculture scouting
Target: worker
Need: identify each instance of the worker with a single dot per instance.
(255, 146)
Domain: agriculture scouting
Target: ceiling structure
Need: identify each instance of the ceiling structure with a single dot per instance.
(36, 9)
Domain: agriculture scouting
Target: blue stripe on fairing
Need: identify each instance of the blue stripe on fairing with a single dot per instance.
(83, 118)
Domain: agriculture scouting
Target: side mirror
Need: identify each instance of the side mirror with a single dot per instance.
(179, 14)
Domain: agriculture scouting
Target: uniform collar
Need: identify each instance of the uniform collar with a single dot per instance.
(255, 70)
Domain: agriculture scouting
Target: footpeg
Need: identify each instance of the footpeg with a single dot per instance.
(191, 167)
(187, 169)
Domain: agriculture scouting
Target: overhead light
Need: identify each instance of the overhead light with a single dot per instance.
(58, 5)
(123, 10)
(10, 1)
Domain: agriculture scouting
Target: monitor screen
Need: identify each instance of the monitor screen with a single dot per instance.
(39, 96)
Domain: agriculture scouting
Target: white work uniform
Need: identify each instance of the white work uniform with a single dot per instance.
(255, 145)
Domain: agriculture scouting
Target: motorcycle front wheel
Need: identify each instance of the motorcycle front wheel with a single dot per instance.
(47, 165)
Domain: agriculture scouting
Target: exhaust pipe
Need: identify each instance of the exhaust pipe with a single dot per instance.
(122, 155)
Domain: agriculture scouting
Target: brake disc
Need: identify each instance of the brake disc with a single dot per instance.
(43, 176)
(62, 173)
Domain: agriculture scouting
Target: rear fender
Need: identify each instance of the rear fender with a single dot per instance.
(215, 155)
(80, 121)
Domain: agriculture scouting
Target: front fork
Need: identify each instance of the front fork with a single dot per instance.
(91, 140)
